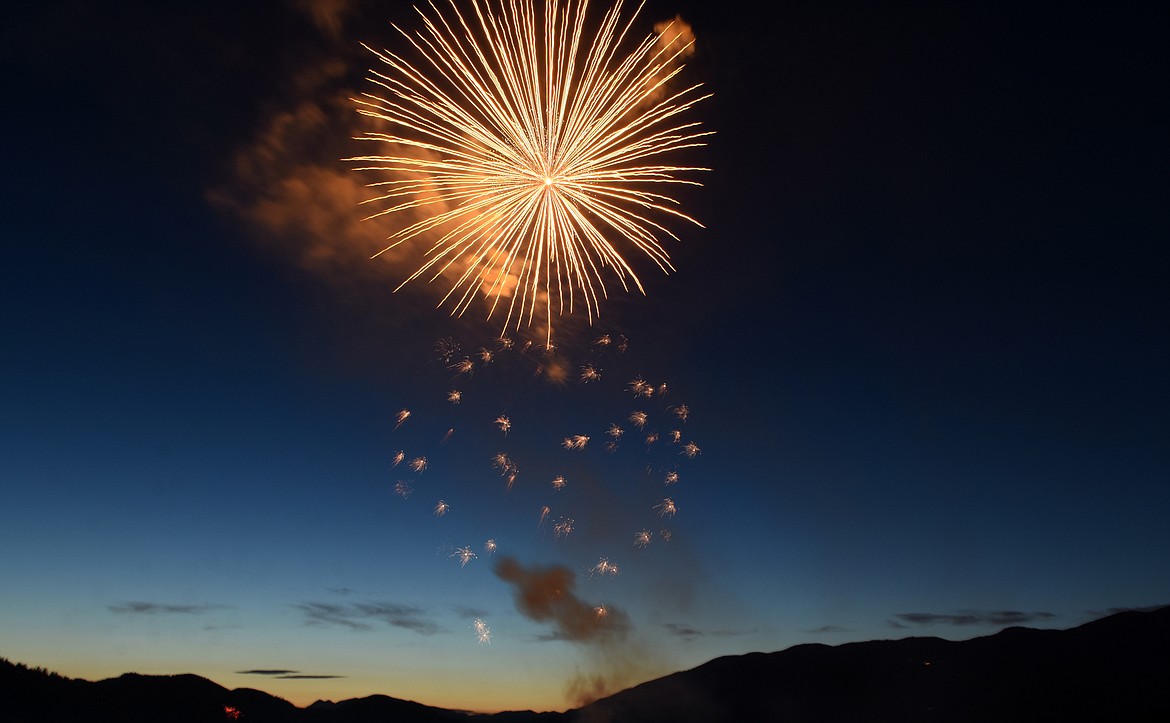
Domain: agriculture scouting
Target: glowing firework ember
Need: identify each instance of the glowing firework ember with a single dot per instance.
(490, 546)
(398, 457)
(537, 144)
(418, 464)
(589, 373)
(401, 417)
(666, 508)
(482, 632)
(455, 396)
(638, 419)
(577, 441)
(671, 477)
(464, 554)
(604, 567)
(403, 489)
(441, 508)
(642, 538)
(563, 527)
(503, 423)
(691, 450)
(558, 483)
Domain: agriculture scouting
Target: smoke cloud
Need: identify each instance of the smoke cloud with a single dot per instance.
(545, 594)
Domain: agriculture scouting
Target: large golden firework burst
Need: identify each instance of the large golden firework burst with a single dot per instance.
(532, 145)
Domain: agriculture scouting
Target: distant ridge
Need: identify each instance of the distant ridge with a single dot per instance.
(1113, 669)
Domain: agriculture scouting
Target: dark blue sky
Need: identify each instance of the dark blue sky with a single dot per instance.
(923, 339)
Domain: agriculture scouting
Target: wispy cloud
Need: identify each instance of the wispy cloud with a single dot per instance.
(828, 629)
(357, 616)
(996, 617)
(682, 630)
(152, 608)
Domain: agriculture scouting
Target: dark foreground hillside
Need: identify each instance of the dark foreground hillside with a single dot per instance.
(1113, 669)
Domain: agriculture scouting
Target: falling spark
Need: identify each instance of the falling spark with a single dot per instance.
(503, 423)
(682, 411)
(611, 446)
(651, 438)
(441, 508)
(447, 436)
(639, 387)
(558, 483)
(600, 611)
(486, 356)
(483, 632)
(464, 554)
(508, 469)
(589, 373)
(577, 441)
(638, 419)
(642, 538)
(675, 436)
(615, 432)
(690, 449)
(418, 464)
(543, 516)
(454, 396)
(490, 546)
(665, 535)
(403, 489)
(401, 417)
(604, 567)
(671, 477)
(603, 340)
(398, 457)
(504, 342)
(547, 140)
(563, 527)
(662, 389)
(666, 508)
(463, 366)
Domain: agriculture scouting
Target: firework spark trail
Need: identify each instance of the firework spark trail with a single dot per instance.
(418, 464)
(690, 449)
(482, 632)
(604, 567)
(577, 441)
(666, 508)
(642, 538)
(441, 508)
(503, 423)
(398, 457)
(638, 419)
(590, 373)
(455, 396)
(547, 143)
(671, 477)
(558, 483)
(401, 417)
(490, 546)
(464, 554)
(402, 488)
(543, 516)
(563, 527)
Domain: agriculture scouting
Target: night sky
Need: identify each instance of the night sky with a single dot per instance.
(922, 339)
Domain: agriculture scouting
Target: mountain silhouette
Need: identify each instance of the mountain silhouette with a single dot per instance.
(1113, 669)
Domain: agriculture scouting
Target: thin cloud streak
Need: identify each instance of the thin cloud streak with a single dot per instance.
(151, 608)
(355, 616)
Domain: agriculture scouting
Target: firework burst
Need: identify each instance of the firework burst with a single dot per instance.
(536, 145)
